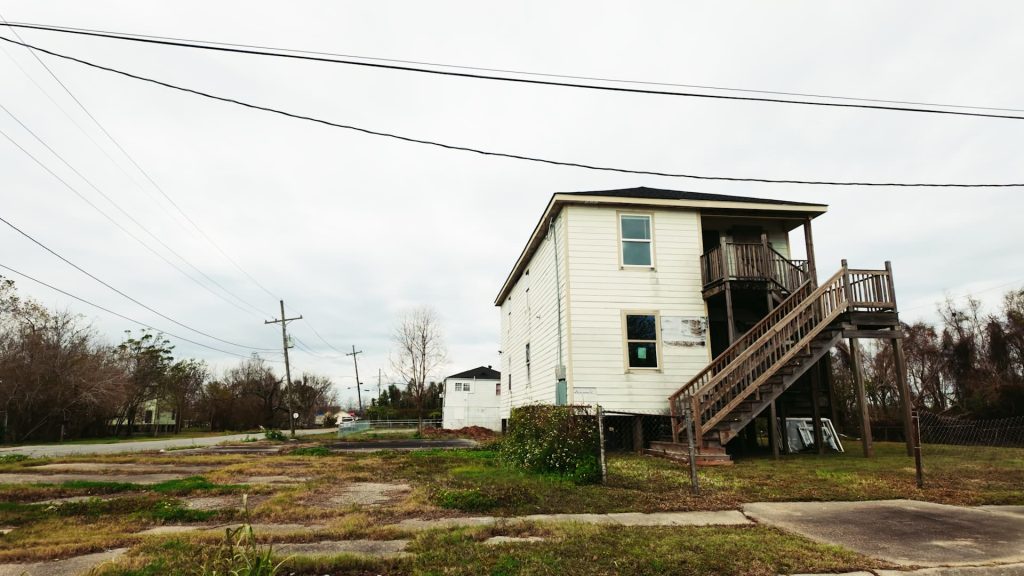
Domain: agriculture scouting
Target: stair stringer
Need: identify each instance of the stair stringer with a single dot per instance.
(726, 431)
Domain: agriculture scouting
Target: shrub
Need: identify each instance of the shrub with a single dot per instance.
(275, 435)
(562, 440)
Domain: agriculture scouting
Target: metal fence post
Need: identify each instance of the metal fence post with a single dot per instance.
(917, 448)
(688, 416)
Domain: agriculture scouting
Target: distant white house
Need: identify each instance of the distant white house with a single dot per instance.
(473, 398)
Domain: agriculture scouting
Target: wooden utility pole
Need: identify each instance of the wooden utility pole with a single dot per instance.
(359, 392)
(287, 367)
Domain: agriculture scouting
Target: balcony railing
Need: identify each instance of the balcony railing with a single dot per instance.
(751, 262)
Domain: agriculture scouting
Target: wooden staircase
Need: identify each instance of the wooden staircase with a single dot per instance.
(765, 361)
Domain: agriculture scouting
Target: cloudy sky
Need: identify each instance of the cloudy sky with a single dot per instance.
(352, 229)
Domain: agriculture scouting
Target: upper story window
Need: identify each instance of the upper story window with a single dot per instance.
(635, 231)
(462, 386)
(642, 340)
(497, 388)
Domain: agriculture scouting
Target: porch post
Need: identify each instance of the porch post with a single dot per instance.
(812, 268)
(727, 274)
(862, 401)
(773, 429)
(816, 407)
(638, 434)
(906, 401)
(900, 362)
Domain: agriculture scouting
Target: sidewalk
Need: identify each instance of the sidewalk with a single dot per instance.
(56, 450)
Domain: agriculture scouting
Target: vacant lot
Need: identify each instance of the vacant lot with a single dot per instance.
(304, 492)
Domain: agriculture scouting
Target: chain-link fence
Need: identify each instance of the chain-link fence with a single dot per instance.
(634, 431)
(936, 429)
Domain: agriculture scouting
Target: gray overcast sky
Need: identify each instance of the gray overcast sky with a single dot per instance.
(351, 229)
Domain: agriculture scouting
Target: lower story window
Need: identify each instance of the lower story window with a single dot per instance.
(642, 340)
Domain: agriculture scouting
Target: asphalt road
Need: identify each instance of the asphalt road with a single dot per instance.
(54, 450)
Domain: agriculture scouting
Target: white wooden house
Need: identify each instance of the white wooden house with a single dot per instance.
(472, 398)
(629, 297)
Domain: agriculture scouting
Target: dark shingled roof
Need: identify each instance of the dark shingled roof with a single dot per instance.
(660, 194)
(480, 373)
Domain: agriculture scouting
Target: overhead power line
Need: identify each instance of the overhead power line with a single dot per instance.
(90, 275)
(132, 35)
(504, 154)
(126, 214)
(292, 54)
(130, 158)
(119, 315)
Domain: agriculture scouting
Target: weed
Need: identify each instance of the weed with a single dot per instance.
(275, 435)
(241, 555)
(12, 458)
(191, 484)
(471, 500)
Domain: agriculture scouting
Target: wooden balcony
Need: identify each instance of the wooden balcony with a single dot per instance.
(750, 263)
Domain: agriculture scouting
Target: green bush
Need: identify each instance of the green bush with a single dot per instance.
(562, 440)
(275, 435)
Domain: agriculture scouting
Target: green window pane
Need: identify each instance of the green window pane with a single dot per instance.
(636, 227)
(643, 355)
(636, 253)
(641, 327)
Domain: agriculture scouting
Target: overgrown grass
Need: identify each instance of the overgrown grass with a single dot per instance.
(567, 549)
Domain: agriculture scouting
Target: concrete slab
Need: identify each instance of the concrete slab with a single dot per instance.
(421, 524)
(276, 480)
(1017, 510)
(67, 567)
(1003, 570)
(578, 518)
(373, 548)
(368, 493)
(903, 532)
(33, 478)
(258, 529)
(717, 518)
(126, 468)
(497, 540)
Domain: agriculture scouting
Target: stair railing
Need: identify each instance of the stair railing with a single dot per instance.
(777, 340)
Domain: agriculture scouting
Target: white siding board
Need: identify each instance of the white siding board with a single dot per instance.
(534, 319)
(601, 290)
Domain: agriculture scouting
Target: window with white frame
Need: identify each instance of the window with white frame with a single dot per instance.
(642, 340)
(497, 388)
(637, 244)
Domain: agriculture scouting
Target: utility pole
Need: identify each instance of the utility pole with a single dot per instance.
(359, 392)
(378, 385)
(287, 367)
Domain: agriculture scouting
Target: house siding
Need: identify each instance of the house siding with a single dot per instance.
(530, 314)
(601, 290)
(480, 406)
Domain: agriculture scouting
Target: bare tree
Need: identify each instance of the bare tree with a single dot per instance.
(419, 351)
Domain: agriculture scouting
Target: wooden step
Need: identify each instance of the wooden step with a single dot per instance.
(709, 454)
(702, 460)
